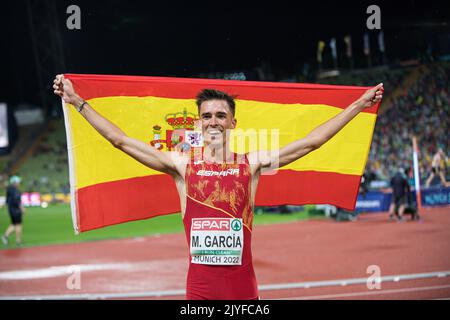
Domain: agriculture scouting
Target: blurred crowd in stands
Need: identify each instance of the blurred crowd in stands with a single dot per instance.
(419, 106)
(57, 164)
(422, 110)
(45, 168)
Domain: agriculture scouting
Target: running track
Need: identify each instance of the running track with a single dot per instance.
(319, 259)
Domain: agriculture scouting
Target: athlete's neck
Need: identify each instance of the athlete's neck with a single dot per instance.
(217, 153)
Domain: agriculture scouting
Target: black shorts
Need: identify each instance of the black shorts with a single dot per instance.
(16, 216)
(399, 200)
(435, 170)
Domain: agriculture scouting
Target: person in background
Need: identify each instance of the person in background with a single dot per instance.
(400, 191)
(16, 210)
(436, 169)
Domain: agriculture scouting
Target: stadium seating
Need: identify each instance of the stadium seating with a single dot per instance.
(46, 169)
(423, 110)
(416, 103)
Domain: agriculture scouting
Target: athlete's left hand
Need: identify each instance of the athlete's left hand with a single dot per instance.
(371, 97)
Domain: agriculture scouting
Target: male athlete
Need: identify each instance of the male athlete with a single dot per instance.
(216, 194)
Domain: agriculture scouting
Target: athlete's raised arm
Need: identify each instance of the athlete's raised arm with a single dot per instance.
(317, 137)
(142, 152)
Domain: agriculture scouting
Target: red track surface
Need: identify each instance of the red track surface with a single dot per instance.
(283, 253)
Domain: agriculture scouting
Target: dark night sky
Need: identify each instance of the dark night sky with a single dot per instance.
(187, 38)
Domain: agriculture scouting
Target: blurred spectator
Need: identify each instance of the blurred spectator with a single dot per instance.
(438, 168)
(16, 210)
(400, 192)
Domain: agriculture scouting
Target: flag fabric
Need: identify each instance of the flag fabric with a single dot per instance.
(109, 187)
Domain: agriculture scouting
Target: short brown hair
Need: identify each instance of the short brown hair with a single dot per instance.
(212, 94)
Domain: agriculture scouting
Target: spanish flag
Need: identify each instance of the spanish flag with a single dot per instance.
(109, 187)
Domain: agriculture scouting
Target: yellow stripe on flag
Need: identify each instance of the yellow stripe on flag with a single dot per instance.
(345, 153)
(96, 161)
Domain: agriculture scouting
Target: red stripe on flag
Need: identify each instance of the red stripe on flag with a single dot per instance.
(98, 86)
(127, 200)
(307, 187)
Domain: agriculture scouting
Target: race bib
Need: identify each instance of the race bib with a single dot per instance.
(217, 241)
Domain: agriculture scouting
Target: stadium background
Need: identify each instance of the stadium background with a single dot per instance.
(250, 42)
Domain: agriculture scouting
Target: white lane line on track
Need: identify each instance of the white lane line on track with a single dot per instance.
(364, 293)
(345, 282)
(267, 287)
(65, 270)
(100, 296)
(58, 271)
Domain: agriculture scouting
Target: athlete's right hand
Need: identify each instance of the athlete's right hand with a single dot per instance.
(64, 88)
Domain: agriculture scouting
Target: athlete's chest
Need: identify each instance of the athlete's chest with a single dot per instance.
(205, 179)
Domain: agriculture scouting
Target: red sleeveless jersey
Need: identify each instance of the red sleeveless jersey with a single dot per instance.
(218, 225)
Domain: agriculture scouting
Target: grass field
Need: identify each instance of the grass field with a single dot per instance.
(53, 225)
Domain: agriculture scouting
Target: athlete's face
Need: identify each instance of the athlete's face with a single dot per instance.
(216, 118)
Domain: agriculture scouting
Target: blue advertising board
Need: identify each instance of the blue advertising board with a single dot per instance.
(378, 201)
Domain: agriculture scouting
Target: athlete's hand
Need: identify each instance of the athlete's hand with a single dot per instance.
(64, 88)
(371, 97)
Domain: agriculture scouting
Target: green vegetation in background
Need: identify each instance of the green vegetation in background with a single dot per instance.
(53, 225)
